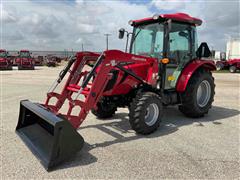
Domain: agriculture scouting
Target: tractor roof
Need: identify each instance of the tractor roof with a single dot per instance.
(180, 17)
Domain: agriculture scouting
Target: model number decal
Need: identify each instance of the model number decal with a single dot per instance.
(138, 59)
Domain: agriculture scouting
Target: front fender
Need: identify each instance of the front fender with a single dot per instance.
(188, 71)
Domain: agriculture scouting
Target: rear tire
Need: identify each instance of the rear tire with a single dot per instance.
(145, 112)
(199, 94)
(105, 109)
(232, 69)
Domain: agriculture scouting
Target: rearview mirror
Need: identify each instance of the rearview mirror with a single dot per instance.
(203, 51)
(183, 34)
(121, 33)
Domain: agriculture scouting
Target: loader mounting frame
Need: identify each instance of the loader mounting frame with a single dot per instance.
(91, 91)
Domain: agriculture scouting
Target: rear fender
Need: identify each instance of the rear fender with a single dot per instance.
(188, 71)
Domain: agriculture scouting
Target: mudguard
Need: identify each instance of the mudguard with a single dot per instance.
(190, 69)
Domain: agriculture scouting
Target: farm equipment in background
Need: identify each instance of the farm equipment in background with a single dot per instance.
(24, 61)
(38, 61)
(233, 57)
(51, 60)
(233, 65)
(162, 67)
(5, 61)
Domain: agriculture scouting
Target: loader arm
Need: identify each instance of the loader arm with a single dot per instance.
(92, 92)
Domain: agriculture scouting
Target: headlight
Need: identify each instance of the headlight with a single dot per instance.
(130, 22)
(155, 17)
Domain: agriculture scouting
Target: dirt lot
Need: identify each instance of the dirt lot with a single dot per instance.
(208, 147)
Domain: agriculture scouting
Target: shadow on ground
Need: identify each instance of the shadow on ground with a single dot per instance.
(171, 122)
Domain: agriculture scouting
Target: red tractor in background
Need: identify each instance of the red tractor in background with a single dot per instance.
(5, 61)
(233, 65)
(51, 60)
(24, 61)
(38, 61)
(233, 57)
(164, 66)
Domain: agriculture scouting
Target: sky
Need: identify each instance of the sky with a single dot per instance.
(67, 24)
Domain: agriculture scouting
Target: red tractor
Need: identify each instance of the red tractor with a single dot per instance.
(38, 61)
(24, 60)
(51, 60)
(232, 64)
(164, 66)
(5, 61)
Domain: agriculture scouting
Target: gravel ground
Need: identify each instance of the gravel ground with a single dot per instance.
(181, 148)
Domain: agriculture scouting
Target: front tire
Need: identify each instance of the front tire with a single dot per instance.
(219, 66)
(199, 94)
(232, 69)
(145, 112)
(105, 109)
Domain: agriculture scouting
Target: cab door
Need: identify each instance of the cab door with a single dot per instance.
(180, 51)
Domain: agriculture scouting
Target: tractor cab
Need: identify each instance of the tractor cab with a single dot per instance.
(3, 53)
(171, 36)
(24, 54)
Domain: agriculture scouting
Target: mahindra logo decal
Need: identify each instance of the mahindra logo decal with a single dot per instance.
(138, 58)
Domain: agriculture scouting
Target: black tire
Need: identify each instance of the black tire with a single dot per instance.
(138, 112)
(105, 109)
(232, 69)
(190, 106)
(219, 66)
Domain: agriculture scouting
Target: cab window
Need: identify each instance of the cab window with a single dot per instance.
(180, 38)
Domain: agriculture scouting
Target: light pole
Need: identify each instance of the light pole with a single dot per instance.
(82, 47)
(107, 39)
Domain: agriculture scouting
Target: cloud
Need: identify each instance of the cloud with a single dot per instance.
(220, 18)
(168, 4)
(63, 25)
(51, 25)
(7, 17)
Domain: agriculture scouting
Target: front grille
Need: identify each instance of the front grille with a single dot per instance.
(3, 63)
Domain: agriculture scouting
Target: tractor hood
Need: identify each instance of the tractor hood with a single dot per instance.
(26, 59)
(3, 59)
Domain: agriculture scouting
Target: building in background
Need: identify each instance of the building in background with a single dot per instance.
(233, 49)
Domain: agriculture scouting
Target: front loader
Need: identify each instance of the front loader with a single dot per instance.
(164, 66)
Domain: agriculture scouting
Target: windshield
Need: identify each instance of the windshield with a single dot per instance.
(3, 54)
(148, 40)
(24, 54)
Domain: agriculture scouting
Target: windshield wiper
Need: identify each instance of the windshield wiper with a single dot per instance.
(136, 35)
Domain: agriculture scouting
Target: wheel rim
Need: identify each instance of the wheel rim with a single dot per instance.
(232, 69)
(152, 113)
(203, 93)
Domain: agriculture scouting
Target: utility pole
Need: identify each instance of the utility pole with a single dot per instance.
(82, 47)
(107, 39)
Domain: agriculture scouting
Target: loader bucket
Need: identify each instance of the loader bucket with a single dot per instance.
(51, 138)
